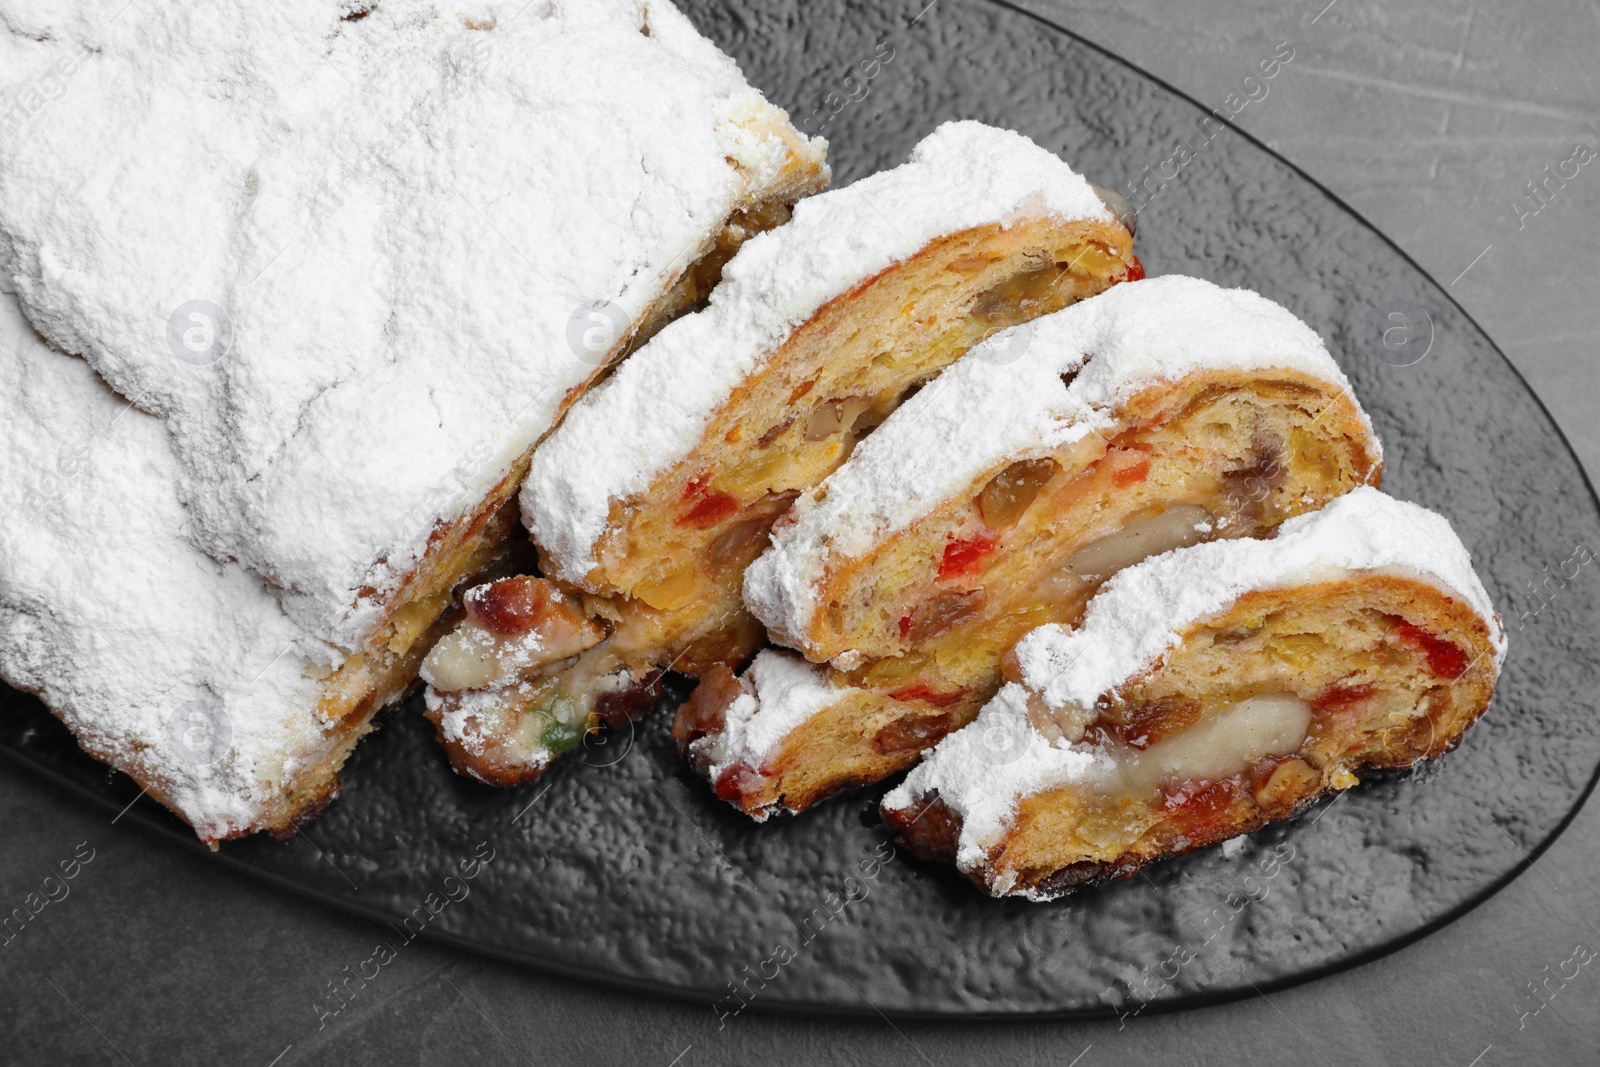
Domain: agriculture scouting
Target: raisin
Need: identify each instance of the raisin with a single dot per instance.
(1011, 492)
(621, 706)
(511, 606)
(911, 734)
(942, 613)
(740, 543)
(929, 829)
(773, 431)
(736, 781)
(1145, 724)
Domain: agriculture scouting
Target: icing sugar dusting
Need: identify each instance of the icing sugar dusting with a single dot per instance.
(651, 413)
(181, 671)
(340, 259)
(991, 407)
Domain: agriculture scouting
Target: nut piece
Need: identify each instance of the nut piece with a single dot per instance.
(1290, 782)
(1343, 779)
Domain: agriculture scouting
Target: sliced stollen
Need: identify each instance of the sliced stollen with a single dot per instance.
(183, 672)
(659, 487)
(1158, 414)
(1209, 691)
(359, 258)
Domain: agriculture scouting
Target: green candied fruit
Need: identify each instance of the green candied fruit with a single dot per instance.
(561, 737)
(563, 724)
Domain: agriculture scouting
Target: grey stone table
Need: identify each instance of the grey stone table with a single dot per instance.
(1429, 121)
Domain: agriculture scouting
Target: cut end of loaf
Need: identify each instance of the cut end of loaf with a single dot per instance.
(1287, 697)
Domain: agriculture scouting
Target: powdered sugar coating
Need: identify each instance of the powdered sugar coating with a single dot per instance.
(1141, 615)
(781, 692)
(397, 215)
(143, 645)
(993, 407)
(653, 411)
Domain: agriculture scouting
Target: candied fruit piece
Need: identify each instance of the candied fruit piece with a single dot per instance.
(1199, 809)
(1444, 659)
(709, 510)
(759, 473)
(1095, 256)
(560, 737)
(1126, 476)
(1343, 697)
(921, 692)
(970, 264)
(963, 557)
(1299, 649)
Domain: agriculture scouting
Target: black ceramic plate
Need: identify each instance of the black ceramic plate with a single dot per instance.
(620, 867)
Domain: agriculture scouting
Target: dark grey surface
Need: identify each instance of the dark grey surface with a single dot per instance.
(1429, 122)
